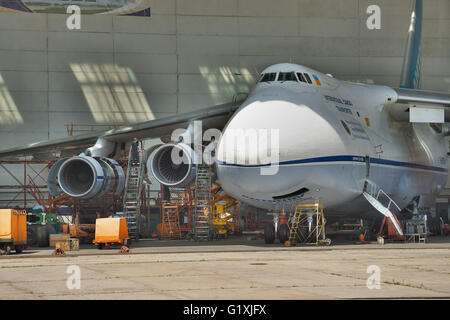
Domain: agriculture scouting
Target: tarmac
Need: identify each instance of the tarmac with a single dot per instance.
(231, 269)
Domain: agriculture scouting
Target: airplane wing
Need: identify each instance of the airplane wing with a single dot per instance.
(410, 100)
(411, 96)
(212, 117)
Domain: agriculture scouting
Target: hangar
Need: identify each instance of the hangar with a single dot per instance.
(137, 69)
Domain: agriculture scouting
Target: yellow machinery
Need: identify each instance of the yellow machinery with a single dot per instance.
(111, 231)
(84, 232)
(224, 219)
(13, 230)
(307, 225)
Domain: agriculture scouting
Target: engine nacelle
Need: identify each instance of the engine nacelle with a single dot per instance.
(171, 174)
(85, 177)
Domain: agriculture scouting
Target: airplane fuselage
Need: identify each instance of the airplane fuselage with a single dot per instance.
(332, 137)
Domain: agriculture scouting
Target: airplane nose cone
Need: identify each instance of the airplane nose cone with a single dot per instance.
(262, 143)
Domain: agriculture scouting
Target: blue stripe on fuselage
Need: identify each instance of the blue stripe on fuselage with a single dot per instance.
(342, 159)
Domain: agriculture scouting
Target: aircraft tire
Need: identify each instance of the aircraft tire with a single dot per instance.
(32, 235)
(269, 233)
(284, 233)
(42, 236)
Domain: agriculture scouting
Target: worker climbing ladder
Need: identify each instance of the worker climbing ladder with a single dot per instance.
(132, 195)
(202, 210)
(307, 225)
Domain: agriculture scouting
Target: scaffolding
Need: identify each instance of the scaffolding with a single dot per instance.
(178, 207)
(170, 224)
(183, 198)
(31, 184)
(30, 189)
(307, 225)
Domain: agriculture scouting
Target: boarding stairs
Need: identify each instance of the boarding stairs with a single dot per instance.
(202, 210)
(374, 195)
(132, 197)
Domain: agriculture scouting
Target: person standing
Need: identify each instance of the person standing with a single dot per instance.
(135, 149)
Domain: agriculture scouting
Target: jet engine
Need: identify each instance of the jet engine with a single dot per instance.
(85, 177)
(173, 164)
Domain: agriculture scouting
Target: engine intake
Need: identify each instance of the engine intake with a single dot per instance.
(171, 174)
(85, 177)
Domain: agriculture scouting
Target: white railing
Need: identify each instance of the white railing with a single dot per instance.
(376, 192)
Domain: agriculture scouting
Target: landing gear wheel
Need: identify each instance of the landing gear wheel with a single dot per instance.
(127, 242)
(5, 249)
(32, 235)
(269, 233)
(284, 233)
(42, 236)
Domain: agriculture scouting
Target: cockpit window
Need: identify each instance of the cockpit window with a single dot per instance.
(307, 78)
(300, 77)
(267, 77)
(287, 76)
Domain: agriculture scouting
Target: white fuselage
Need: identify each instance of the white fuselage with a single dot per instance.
(332, 137)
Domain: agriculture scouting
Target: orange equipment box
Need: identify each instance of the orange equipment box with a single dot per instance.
(111, 231)
(53, 238)
(13, 230)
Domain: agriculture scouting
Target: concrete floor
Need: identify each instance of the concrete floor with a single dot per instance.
(231, 269)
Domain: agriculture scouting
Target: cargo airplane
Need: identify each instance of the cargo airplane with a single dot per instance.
(341, 143)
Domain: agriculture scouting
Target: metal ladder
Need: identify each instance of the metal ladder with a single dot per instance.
(132, 196)
(202, 211)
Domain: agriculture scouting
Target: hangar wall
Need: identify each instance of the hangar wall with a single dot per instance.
(192, 54)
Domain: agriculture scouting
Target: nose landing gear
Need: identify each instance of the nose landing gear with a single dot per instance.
(283, 233)
(281, 224)
(307, 225)
(269, 233)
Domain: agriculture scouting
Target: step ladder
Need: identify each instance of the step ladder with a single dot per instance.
(132, 196)
(373, 194)
(202, 210)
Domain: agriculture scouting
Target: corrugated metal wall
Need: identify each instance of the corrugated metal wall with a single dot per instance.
(194, 53)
